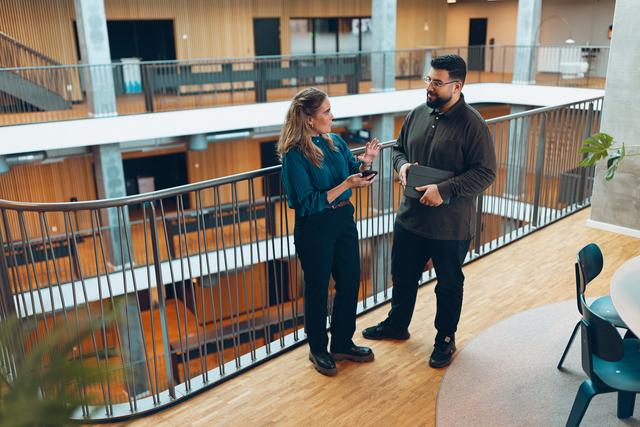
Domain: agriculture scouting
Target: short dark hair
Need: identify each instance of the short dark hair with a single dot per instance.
(454, 64)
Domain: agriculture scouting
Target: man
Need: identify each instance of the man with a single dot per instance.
(448, 134)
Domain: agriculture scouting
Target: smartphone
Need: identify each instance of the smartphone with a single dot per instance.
(368, 173)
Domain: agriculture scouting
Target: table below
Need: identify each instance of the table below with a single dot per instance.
(625, 293)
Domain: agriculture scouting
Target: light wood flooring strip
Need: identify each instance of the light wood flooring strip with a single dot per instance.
(399, 388)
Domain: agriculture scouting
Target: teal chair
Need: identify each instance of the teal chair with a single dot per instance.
(612, 364)
(587, 268)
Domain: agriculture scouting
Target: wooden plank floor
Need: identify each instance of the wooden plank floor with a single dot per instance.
(399, 388)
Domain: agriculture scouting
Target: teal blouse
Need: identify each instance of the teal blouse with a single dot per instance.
(306, 185)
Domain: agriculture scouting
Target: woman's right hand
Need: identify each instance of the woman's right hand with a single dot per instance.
(357, 180)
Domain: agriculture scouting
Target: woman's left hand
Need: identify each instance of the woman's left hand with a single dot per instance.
(371, 150)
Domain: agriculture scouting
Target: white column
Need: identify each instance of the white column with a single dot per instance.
(94, 49)
(527, 32)
(616, 203)
(383, 60)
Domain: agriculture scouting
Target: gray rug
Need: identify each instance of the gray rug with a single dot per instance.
(507, 376)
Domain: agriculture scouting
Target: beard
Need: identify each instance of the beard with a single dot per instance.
(436, 101)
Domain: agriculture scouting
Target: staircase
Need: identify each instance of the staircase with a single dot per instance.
(31, 77)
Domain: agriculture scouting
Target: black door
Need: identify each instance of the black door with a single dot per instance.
(477, 42)
(266, 36)
(271, 183)
(149, 40)
(266, 41)
(167, 170)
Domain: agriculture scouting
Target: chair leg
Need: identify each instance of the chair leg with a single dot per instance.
(585, 393)
(566, 349)
(626, 403)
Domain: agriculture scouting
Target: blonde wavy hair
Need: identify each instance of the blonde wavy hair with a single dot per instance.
(297, 131)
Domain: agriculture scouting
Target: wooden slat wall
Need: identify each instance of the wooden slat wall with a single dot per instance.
(221, 28)
(43, 25)
(410, 20)
(222, 159)
(52, 182)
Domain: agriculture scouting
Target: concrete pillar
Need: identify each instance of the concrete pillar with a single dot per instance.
(198, 142)
(110, 183)
(355, 124)
(527, 31)
(94, 49)
(4, 166)
(426, 65)
(616, 203)
(132, 338)
(383, 59)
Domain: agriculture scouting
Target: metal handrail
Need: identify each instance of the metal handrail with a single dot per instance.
(175, 191)
(220, 60)
(224, 266)
(146, 87)
(7, 38)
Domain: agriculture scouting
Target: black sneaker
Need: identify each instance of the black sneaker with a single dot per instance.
(354, 353)
(383, 331)
(442, 353)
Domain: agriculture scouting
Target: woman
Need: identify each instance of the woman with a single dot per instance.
(319, 171)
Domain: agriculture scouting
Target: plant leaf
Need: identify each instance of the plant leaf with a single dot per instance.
(612, 166)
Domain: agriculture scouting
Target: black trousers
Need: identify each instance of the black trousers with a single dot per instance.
(327, 244)
(409, 255)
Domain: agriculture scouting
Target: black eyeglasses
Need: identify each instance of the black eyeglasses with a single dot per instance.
(437, 83)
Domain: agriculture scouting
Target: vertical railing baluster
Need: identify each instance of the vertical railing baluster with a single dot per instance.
(539, 169)
(201, 230)
(162, 300)
(584, 171)
(218, 338)
(155, 391)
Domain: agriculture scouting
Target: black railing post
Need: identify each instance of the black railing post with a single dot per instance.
(542, 138)
(147, 88)
(478, 236)
(162, 299)
(582, 183)
(261, 81)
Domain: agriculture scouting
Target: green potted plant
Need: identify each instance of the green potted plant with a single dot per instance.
(41, 379)
(602, 146)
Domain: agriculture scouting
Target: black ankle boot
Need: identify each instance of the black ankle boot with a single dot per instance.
(353, 353)
(324, 363)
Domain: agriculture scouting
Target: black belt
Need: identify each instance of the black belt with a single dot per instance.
(339, 204)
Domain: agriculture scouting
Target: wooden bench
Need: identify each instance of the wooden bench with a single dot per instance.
(234, 331)
(212, 218)
(20, 253)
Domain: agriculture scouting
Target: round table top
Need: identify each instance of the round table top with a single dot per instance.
(625, 293)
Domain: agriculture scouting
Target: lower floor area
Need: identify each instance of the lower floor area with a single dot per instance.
(399, 388)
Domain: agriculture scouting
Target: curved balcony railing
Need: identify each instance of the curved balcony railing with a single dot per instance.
(203, 279)
(156, 86)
